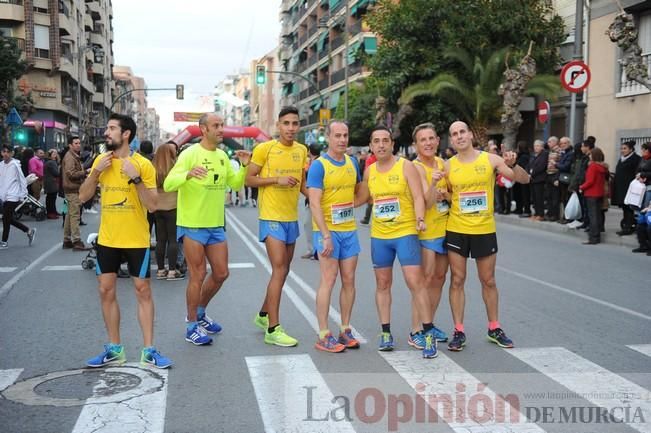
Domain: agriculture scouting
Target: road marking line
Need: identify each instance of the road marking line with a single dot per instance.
(334, 315)
(644, 349)
(282, 395)
(291, 294)
(136, 411)
(590, 381)
(8, 377)
(7, 269)
(6, 288)
(437, 380)
(244, 265)
(577, 294)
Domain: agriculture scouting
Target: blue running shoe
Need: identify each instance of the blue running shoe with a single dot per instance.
(498, 337)
(386, 342)
(439, 335)
(197, 336)
(113, 355)
(151, 356)
(209, 325)
(416, 340)
(429, 351)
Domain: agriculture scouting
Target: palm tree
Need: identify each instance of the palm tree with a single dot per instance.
(474, 94)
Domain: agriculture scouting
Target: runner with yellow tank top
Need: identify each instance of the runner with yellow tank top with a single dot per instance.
(398, 215)
(432, 240)
(277, 169)
(332, 182)
(471, 227)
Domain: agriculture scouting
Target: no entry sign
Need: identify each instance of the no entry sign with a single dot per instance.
(544, 111)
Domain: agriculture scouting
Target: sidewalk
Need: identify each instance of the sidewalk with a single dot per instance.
(613, 217)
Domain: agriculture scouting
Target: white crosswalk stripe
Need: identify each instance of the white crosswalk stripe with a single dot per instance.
(281, 395)
(440, 380)
(8, 377)
(590, 381)
(644, 349)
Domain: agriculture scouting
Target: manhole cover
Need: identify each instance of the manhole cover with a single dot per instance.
(87, 384)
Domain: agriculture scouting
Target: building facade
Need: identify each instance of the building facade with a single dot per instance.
(322, 42)
(132, 101)
(68, 45)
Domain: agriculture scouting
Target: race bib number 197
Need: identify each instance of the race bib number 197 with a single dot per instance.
(342, 213)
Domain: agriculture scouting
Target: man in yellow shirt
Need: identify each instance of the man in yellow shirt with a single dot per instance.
(128, 184)
(471, 227)
(332, 182)
(201, 176)
(278, 169)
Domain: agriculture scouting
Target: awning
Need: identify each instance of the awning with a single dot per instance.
(334, 3)
(352, 52)
(322, 38)
(370, 44)
(288, 89)
(359, 5)
(317, 104)
(334, 100)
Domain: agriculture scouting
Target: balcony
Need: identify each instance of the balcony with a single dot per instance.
(66, 25)
(20, 43)
(336, 42)
(88, 22)
(95, 10)
(354, 69)
(312, 31)
(98, 39)
(302, 39)
(98, 97)
(631, 88)
(324, 84)
(323, 52)
(338, 76)
(311, 60)
(98, 68)
(12, 10)
(355, 28)
(304, 94)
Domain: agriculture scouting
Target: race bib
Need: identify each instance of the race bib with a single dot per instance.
(442, 206)
(387, 208)
(342, 213)
(474, 201)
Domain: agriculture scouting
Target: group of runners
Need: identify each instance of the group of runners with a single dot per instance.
(430, 214)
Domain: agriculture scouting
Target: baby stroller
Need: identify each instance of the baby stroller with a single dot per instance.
(30, 206)
(89, 261)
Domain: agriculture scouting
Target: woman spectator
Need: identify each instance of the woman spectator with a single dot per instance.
(538, 173)
(165, 216)
(51, 186)
(593, 191)
(13, 188)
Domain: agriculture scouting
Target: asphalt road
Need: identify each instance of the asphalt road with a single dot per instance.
(579, 317)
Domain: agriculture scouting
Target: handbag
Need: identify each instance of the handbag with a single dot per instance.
(635, 193)
(564, 178)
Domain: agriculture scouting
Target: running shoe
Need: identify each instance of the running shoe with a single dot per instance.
(417, 340)
(385, 342)
(347, 339)
(31, 235)
(430, 350)
(4, 245)
(113, 355)
(197, 336)
(151, 356)
(261, 322)
(458, 341)
(498, 337)
(209, 325)
(329, 344)
(279, 338)
(440, 336)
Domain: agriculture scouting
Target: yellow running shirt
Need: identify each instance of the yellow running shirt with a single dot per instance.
(393, 206)
(279, 202)
(338, 194)
(123, 221)
(436, 217)
(473, 187)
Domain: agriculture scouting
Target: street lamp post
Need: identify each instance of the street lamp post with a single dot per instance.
(99, 58)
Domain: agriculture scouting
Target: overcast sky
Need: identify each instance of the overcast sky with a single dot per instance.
(191, 42)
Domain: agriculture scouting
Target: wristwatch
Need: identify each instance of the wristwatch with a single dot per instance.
(136, 180)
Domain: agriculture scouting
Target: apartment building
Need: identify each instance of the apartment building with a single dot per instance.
(68, 45)
(132, 101)
(321, 46)
(266, 99)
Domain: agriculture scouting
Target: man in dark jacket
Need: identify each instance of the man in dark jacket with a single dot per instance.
(73, 175)
(538, 173)
(564, 166)
(624, 174)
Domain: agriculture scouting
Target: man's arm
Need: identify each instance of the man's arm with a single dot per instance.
(148, 197)
(507, 167)
(416, 188)
(362, 194)
(88, 188)
(314, 195)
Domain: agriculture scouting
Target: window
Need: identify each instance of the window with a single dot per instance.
(628, 87)
(41, 41)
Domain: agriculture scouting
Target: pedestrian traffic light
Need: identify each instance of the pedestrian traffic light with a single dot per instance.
(321, 137)
(20, 137)
(179, 91)
(260, 74)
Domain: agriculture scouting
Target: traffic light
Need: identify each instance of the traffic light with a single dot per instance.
(179, 91)
(321, 137)
(20, 137)
(260, 74)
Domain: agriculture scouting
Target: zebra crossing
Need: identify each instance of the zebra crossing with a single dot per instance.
(293, 395)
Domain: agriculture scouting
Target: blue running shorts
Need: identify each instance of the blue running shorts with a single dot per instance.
(437, 245)
(345, 244)
(286, 232)
(384, 251)
(204, 236)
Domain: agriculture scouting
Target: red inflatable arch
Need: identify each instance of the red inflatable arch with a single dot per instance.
(193, 131)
